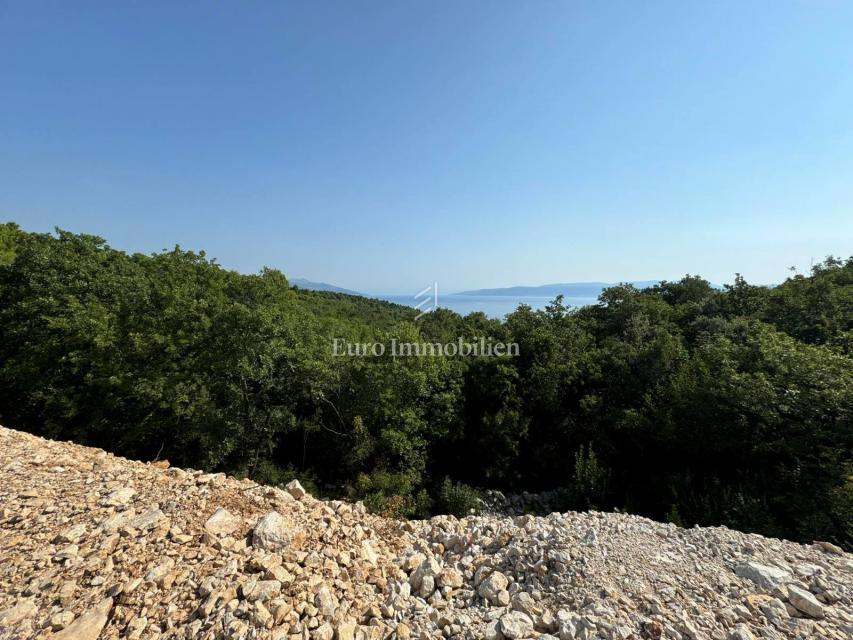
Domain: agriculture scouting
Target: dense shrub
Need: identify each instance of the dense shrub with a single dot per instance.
(588, 488)
(458, 499)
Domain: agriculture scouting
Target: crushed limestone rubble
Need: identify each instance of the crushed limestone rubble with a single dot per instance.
(95, 546)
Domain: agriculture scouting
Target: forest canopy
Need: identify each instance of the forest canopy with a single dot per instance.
(681, 401)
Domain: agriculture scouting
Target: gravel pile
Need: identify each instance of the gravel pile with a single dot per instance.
(96, 546)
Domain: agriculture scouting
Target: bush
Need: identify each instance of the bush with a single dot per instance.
(589, 483)
(458, 499)
(674, 516)
(391, 495)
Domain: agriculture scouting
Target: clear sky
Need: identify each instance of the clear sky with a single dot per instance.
(382, 146)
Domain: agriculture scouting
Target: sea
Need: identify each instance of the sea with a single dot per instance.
(492, 306)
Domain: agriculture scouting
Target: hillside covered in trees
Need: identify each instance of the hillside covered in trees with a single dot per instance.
(680, 402)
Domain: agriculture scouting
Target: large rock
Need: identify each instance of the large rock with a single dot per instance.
(148, 519)
(21, 611)
(157, 574)
(830, 548)
(326, 602)
(449, 578)
(119, 497)
(494, 590)
(493, 630)
(263, 590)
(116, 521)
(516, 625)
(72, 534)
(805, 602)
(272, 532)
(222, 523)
(762, 575)
(428, 568)
(345, 631)
(368, 552)
(295, 489)
(524, 602)
(741, 632)
(89, 625)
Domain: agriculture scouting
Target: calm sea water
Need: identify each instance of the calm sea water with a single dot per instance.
(492, 306)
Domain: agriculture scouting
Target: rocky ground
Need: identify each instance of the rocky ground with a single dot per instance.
(95, 546)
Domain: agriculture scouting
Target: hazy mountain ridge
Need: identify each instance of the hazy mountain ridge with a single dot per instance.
(569, 289)
(303, 283)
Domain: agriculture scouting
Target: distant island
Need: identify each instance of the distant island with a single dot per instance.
(568, 289)
(302, 283)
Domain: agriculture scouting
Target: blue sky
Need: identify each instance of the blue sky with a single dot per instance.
(382, 146)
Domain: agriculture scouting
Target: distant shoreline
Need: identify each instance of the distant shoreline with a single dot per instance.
(494, 306)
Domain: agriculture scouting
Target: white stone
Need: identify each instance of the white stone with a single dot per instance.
(272, 532)
(119, 497)
(449, 578)
(148, 519)
(493, 631)
(805, 602)
(72, 534)
(493, 589)
(741, 632)
(222, 522)
(326, 601)
(762, 575)
(516, 625)
(158, 573)
(428, 567)
(295, 489)
(21, 611)
(89, 625)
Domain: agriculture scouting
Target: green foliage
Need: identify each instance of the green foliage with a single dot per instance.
(458, 499)
(817, 309)
(841, 506)
(681, 402)
(9, 234)
(674, 516)
(589, 482)
(392, 495)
